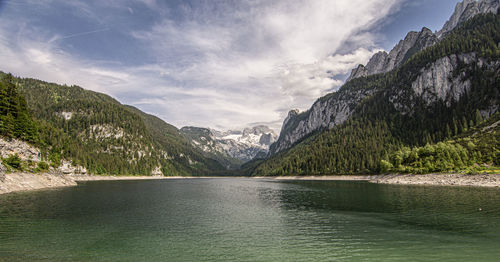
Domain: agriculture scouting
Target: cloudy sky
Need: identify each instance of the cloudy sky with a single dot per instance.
(220, 64)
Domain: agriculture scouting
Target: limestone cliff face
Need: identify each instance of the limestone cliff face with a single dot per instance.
(437, 82)
(383, 62)
(25, 151)
(33, 156)
(325, 113)
(328, 112)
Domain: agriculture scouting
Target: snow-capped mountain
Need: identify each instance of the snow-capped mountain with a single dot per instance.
(243, 145)
(247, 144)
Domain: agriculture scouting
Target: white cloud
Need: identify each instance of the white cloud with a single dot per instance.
(284, 49)
(217, 64)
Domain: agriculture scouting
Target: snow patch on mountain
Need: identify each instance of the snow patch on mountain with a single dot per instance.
(244, 145)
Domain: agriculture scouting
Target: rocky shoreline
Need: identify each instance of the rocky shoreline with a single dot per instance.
(481, 180)
(22, 181)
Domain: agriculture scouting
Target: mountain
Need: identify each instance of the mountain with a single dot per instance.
(95, 131)
(205, 140)
(335, 108)
(414, 42)
(247, 144)
(242, 145)
(428, 96)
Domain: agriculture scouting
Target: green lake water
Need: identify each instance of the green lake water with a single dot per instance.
(238, 219)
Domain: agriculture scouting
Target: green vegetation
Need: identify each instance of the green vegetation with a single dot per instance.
(380, 138)
(13, 161)
(43, 166)
(353, 147)
(15, 121)
(464, 153)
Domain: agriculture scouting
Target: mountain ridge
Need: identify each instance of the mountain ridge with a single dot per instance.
(323, 115)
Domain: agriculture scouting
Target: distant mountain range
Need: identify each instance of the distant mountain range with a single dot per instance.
(240, 145)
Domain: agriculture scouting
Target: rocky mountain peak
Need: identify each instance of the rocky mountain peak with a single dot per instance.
(383, 62)
(466, 10)
(414, 41)
(257, 130)
(291, 114)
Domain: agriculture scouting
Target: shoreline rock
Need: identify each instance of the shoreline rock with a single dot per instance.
(481, 180)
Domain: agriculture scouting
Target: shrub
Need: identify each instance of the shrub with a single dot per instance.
(43, 166)
(385, 166)
(13, 161)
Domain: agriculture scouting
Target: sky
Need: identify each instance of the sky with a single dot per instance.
(223, 64)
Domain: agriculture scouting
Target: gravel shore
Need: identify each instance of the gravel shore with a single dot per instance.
(482, 180)
(28, 181)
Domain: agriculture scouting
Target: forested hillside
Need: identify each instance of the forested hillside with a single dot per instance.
(96, 131)
(399, 111)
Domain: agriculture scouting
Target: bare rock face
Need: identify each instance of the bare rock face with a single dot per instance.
(291, 114)
(267, 139)
(438, 82)
(22, 149)
(67, 167)
(27, 152)
(466, 10)
(324, 114)
(2, 173)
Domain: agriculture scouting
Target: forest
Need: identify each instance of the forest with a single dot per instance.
(94, 131)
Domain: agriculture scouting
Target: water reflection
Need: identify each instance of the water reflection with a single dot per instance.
(249, 220)
(441, 208)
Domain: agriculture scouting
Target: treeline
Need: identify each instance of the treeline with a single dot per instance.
(478, 150)
(357, 146)
(378, 130)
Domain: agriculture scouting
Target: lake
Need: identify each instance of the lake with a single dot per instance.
(239, 219)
